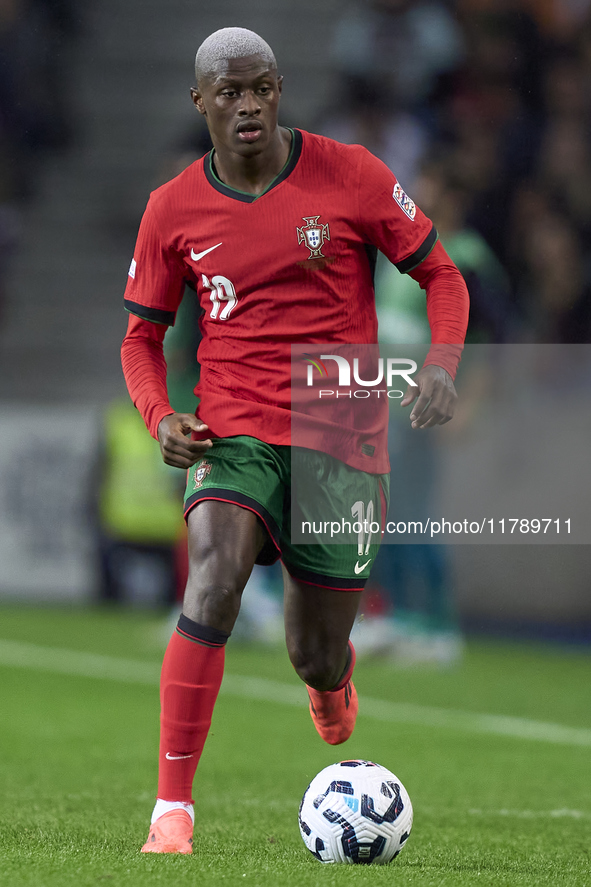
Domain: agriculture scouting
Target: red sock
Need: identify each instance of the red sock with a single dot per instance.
(189, 684)
(348, 672)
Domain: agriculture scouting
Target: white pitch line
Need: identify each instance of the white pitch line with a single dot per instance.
(475, 722)
(562, 813)
(77, 663)
(132, 671)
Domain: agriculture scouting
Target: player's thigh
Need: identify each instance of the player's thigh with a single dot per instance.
(224, 542)
(318, 622)
(247, 472)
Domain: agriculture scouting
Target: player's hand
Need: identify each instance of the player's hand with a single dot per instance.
(177, 447)
(435, 395)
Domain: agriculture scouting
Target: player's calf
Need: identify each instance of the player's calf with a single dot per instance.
(334, 711)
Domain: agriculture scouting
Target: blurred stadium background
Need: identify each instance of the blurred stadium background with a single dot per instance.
(481, 107)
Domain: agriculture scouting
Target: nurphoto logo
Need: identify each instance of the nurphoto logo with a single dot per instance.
(393, 368)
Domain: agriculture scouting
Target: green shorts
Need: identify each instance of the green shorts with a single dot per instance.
(309, 491)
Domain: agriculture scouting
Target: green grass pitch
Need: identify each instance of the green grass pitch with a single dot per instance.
(498, 800)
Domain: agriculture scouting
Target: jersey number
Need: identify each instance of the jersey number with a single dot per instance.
(365, 519)
(222, 290)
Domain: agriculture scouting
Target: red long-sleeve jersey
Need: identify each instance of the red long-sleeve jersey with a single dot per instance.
(291, 266)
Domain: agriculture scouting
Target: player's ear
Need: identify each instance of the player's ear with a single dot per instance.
(197, 99)
(280, 83)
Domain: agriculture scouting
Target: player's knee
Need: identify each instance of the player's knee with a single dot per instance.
(216, 581)
(215, 604)
(318, 670)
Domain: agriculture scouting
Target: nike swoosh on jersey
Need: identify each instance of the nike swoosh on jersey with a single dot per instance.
(170, 757)
(359, 569)
(196, 256)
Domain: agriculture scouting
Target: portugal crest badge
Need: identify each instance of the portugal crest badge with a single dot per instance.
(201, 472)
(313, 234)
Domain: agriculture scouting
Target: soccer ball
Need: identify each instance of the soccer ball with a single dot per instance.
(355, 812)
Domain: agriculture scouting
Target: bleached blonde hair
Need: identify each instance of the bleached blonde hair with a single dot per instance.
(230, 43)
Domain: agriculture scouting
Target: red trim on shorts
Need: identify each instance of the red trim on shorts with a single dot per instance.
(313, 581)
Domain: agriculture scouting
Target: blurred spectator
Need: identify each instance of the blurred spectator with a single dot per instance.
(139, 521)
(180, 350)
(408, 606)
(515, 126)
(565, 86)
(142, 534)
(560, 19)
(400, 300)
(374, 119)
(564, 160)
(492, 117)
(565, 169)
(505, 54)
(554, 290)
(403, 45)
(193, 143)
(418, 623)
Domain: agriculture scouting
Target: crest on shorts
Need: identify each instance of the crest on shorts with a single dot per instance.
(313, 234)
(201, 472)
(404, 202)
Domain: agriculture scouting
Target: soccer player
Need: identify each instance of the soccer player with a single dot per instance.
(277, 230)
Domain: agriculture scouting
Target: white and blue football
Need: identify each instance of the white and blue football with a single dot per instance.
(355, 812)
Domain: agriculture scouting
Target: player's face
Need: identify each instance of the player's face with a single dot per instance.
(240, 104)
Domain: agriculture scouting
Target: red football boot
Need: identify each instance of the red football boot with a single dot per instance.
(171, 833)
